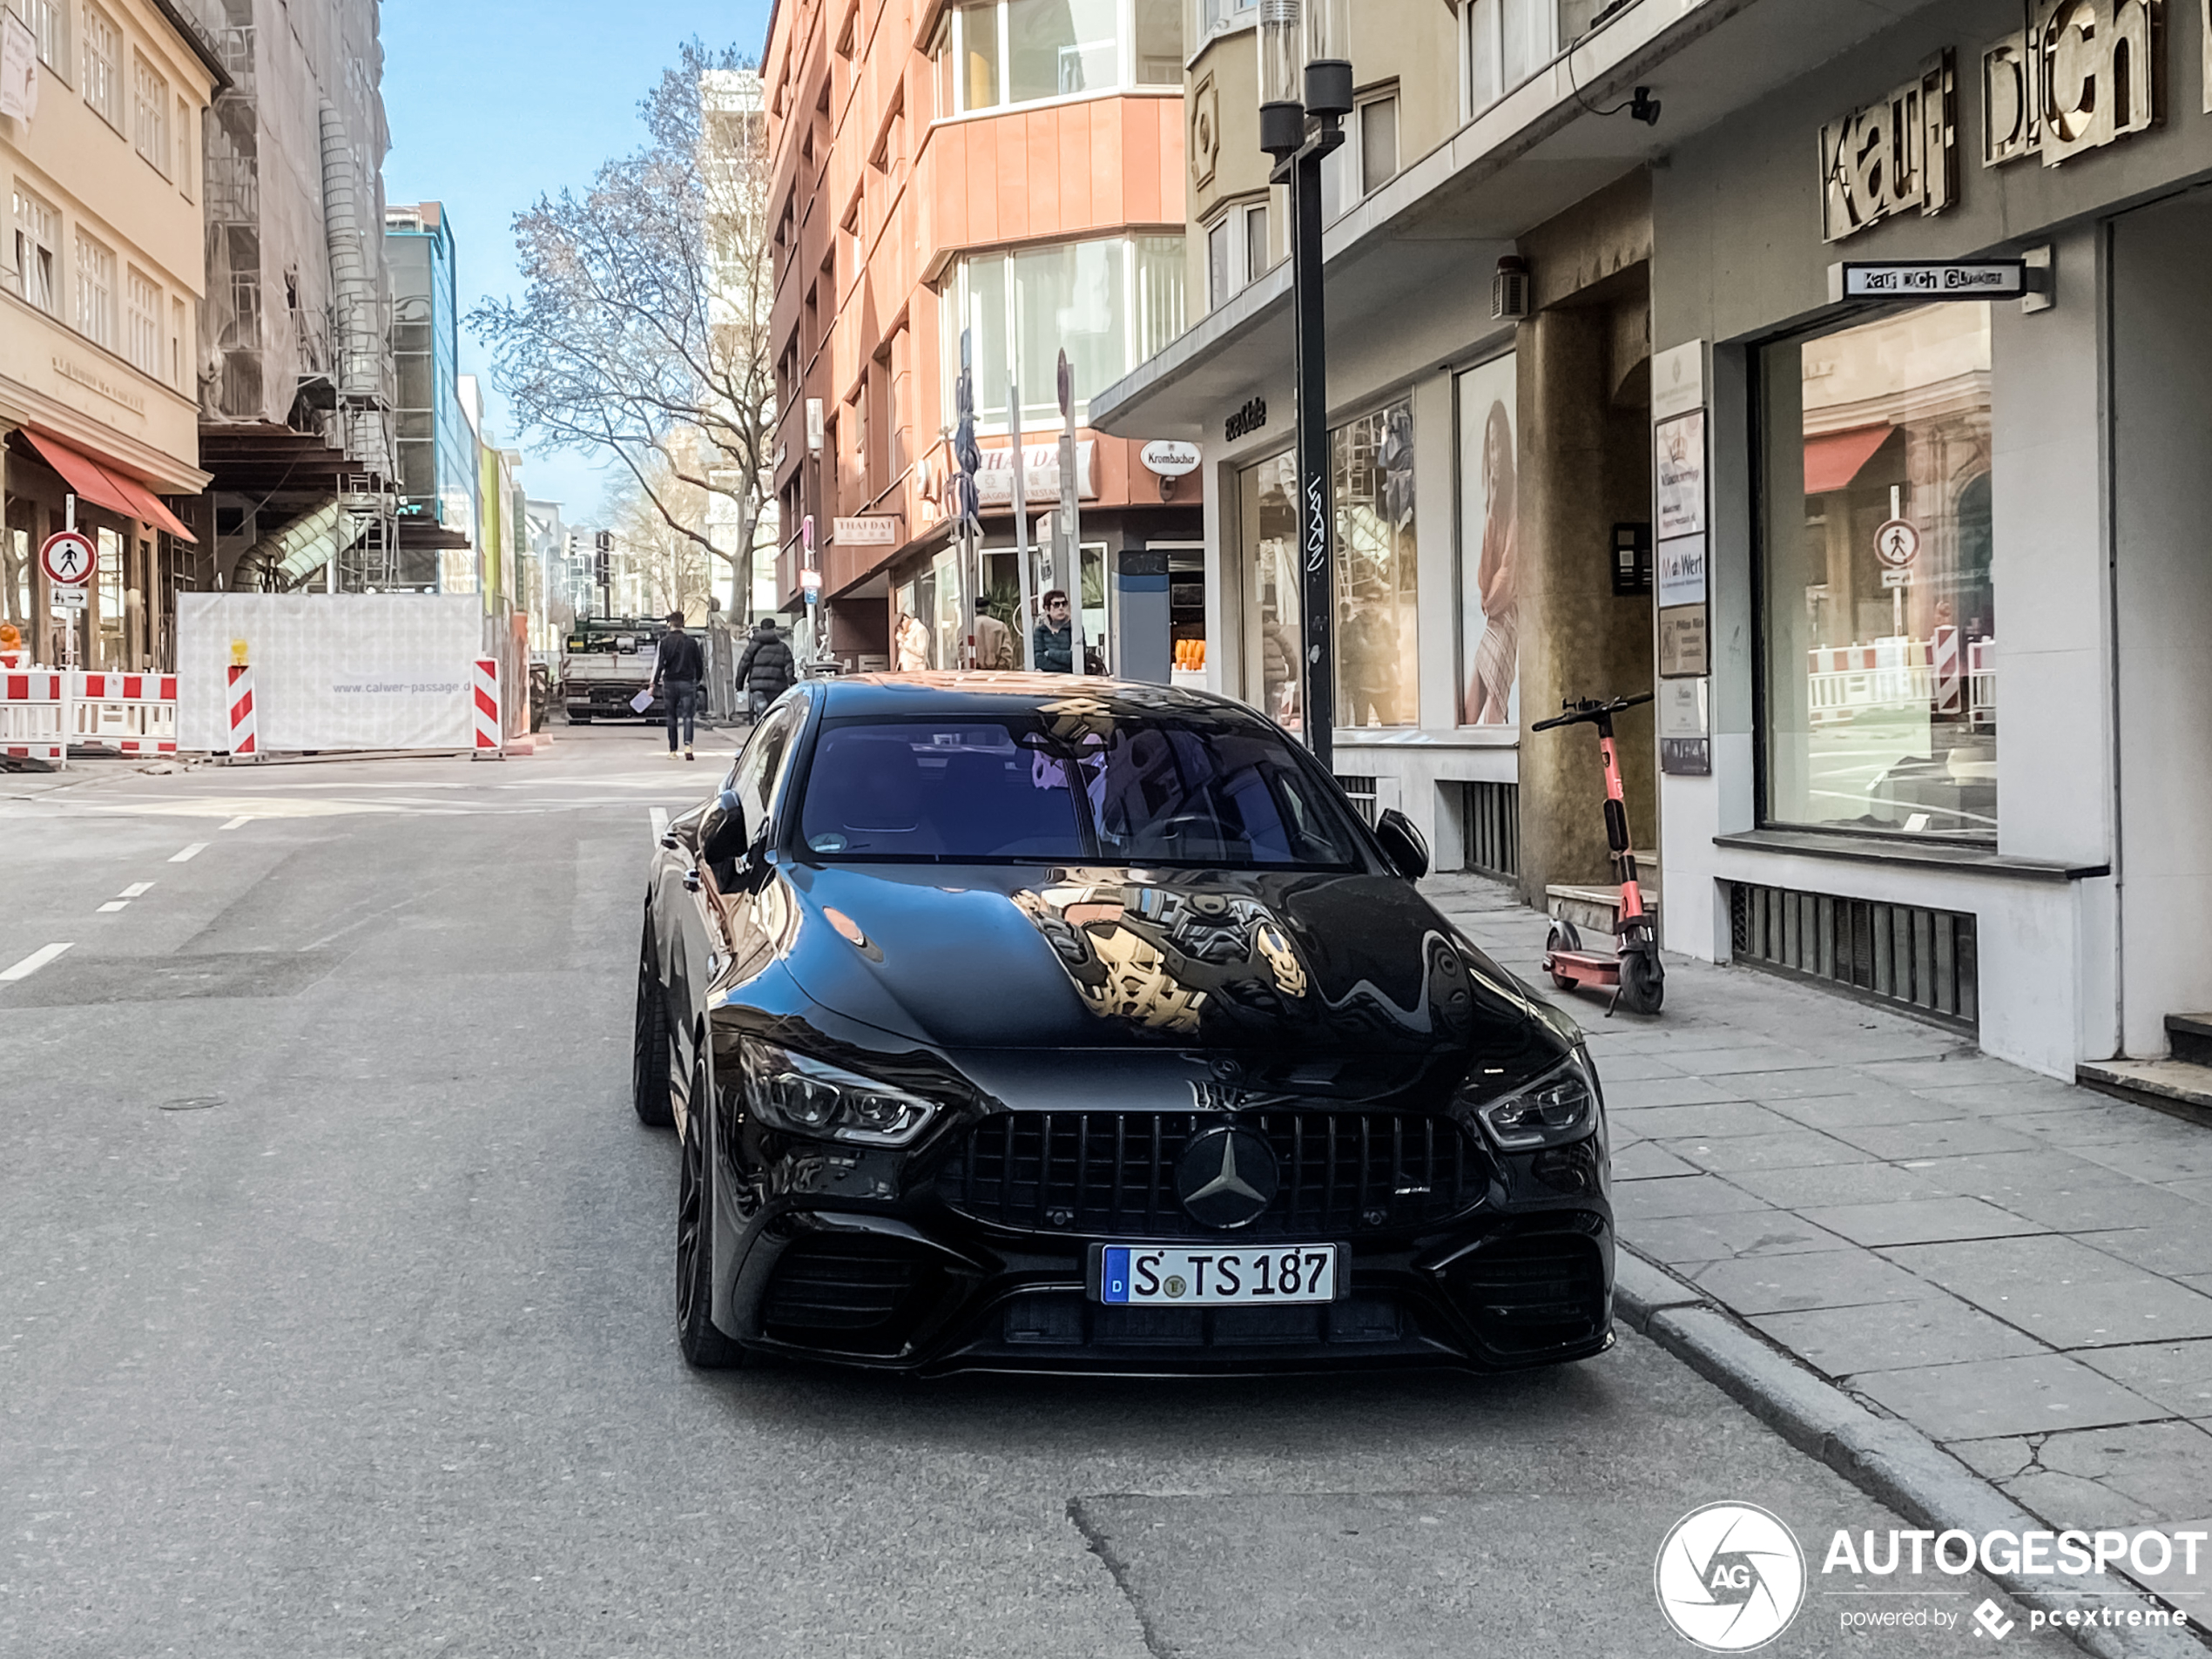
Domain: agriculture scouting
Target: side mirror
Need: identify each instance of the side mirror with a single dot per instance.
(722, 832)
(1402, 844)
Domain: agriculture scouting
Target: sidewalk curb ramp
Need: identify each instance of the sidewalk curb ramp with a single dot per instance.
(1887, 1459)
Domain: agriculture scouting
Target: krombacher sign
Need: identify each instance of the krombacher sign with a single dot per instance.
(1899, 154)
(2082, 74)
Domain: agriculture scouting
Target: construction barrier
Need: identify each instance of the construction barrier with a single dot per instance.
(488, 733)
(241, 707)
(127, 714)
(30, 715)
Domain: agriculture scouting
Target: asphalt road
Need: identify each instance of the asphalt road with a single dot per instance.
(335, 1316)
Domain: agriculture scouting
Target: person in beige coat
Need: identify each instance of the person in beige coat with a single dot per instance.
(994, 639)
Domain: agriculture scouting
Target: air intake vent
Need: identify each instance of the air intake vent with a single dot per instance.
(1534, 1293)
(1910, 958)
(850, 1293)
(1491, 814)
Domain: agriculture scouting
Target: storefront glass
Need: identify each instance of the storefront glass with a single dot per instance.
(1879, 608)
(1372, 459)
(1265, 494)
(1489, 543)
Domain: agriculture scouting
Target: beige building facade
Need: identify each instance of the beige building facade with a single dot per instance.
(100, 294)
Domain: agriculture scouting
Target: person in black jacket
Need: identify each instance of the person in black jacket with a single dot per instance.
(767, 669)
(1056, 652)
(678, 665)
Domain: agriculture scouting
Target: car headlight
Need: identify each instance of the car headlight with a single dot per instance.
(1559, 1107)
(803, 1095)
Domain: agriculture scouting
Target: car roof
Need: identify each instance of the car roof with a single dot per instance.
(944, 692)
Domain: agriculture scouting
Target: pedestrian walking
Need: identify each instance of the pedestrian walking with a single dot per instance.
(1056, 649)
(678, 665)
(767, 669)
(994, 639)
(911, 641)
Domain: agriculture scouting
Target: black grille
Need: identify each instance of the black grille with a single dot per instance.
(1112, 1174)
(852, 1293)
(1922, 959)
(1533, 1293)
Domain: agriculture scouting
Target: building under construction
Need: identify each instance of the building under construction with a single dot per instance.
(297, 385)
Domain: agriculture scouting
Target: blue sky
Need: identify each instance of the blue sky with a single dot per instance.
(493, 103)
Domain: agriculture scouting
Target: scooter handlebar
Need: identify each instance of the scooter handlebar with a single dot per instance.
(1585, 709)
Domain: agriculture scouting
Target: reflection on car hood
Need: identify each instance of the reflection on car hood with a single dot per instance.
(973, 957)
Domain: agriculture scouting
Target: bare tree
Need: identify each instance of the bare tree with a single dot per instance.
(644, 324)
(649, 518)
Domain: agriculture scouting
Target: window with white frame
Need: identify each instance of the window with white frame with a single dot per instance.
(103, 67)
(1227, 14)
(49, 21)
(142, 336)
(1108, 304)
(1504, 42)
(1237, 250)
(38, 241)
(177, 316)
(1002, 53)
(150, 113)
(1367, 158)
(94, 292)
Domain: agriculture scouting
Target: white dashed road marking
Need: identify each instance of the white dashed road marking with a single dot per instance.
(112, 904)
(136, 890)
(32, 963)
(659, 815)
(243, 818)
(189, 854)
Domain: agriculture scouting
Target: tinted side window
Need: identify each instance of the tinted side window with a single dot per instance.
(762, 763)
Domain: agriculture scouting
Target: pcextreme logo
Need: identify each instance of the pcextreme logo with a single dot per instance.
(1729, 1577)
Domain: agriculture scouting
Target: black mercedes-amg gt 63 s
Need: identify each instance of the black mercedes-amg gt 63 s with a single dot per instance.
(1023, 1022)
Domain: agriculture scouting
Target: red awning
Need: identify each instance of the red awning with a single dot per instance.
(105, 486)
(1833, 459)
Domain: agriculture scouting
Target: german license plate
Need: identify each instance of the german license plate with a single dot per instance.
(1172, 1276)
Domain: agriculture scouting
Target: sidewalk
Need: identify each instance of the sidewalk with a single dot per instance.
(2020, 1269)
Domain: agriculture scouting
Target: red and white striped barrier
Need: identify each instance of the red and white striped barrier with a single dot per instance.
(488, 730)
(1943, 656)
(129, 714)
(243, 741)
(30, 715)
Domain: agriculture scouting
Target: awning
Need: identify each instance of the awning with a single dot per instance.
(105, 486)
(1833, 459)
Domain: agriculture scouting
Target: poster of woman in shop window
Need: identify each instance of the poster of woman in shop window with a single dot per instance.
(1489, 623)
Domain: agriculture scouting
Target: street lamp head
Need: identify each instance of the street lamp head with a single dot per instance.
(1328, 58)
(1282, 117)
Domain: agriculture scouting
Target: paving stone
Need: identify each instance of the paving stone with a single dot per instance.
(1954, 1137)
(2149, 1471)
(1869, 1183)
(1995, 1460)
(1789, 1149)
(1932, 1329)
(1802, 1081)
(2074, 1125)
(2110, 1206)
(1720, 1118)
(1831, 1278)
(1641, 1093)
(1874, 1105)
(1919, 1221)
(2061, 1290)
(1750, 1057)
(2177, 1585)
(2072, 1500)
(2194, 1191)
(2170, 1251)
(1647, 1160)
(2177, 1375)
(1961, 1064)
(1636, 1068)
(2176, 1160)
(1730, 1236)
(2023, 1092)
(1665, 1198)
(1998, 1176)
(1976, 1399)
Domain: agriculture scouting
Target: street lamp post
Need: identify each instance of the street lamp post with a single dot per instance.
(1322, 49)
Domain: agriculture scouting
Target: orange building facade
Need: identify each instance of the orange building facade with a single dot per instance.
(1011, 171)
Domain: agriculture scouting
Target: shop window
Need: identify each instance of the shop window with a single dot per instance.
(1266, 494)
(103, 67)
(150, 113)
(1373, 462)
(38, 239)
(1489, 545)
(94, 292)
(1880, 610)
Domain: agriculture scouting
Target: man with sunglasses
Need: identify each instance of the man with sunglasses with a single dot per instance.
(1055, 652)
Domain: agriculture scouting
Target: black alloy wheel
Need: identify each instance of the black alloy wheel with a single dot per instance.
(649, 1041)
(1644, 982)
(703, 1342)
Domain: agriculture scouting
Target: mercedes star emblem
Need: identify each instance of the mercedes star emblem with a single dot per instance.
(1227, 1177)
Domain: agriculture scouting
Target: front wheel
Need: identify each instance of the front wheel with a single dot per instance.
(649, 1041)
(1562, 936)
(1644, 982)
(703, 1342)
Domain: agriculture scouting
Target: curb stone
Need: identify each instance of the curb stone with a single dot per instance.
(1886, 1458)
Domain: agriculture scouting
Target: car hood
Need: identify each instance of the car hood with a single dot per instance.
(1281, 964)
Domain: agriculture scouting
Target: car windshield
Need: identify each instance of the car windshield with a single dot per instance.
(1223, 793)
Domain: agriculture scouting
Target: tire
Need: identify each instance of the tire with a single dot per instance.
(1644, 982)
(1562, 936)
(649, 1041)
(704, 1345)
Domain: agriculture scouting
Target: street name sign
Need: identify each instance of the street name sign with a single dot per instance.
(68, 557)
(1928, 280)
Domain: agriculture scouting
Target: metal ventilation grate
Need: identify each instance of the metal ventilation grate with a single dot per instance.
(1491, 816)
(1922, 959)
(1362, 792)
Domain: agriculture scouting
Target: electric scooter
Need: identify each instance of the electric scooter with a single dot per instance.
(1638, 981)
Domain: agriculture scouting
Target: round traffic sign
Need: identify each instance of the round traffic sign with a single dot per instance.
(68, 557)
(1897, 543)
